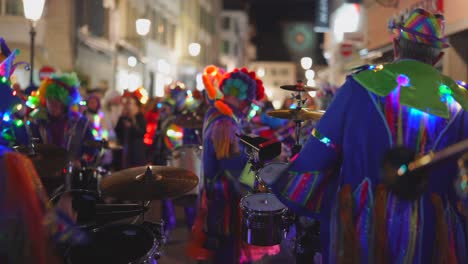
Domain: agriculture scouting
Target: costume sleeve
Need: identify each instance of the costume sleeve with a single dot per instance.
(303, 185)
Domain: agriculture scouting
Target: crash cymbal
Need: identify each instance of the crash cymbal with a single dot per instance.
(149, 183)
(298, 88)
(48, 159)
(296, 114)
(189, 121)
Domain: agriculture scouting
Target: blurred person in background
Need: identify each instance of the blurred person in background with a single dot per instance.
(130, 131)
(56, 119)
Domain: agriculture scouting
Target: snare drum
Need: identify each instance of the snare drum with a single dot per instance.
(264, 219)
(117, 243)
(188, 157)
(270, 173)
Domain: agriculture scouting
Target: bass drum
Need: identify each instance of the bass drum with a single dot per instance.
(188, 157)
(117, 244)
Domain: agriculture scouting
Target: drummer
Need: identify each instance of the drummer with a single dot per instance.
(337, 175)
(56, 120)
(223, 161)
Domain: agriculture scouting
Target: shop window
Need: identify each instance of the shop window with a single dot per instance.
(14, 7)
(94, 15)
(226, 22)
(226, 47)
(236, 49)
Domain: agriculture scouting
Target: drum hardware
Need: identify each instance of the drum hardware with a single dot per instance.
(48, 159)
(258, 150)
(299, 114)
(307, 244)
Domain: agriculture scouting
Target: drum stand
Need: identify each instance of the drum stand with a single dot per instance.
(256, 165)
(307, 243)
(298, 123)
(158, 228)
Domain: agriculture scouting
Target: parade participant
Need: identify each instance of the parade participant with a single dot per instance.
(168, 137)
(365, 217)
(131, 128)
(223, 162)
(29, 227)
(55, 121)
(100, 125)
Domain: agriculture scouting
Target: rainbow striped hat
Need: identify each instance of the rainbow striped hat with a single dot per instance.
(422, 27)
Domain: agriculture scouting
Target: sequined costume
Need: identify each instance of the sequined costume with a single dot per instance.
(336, 176)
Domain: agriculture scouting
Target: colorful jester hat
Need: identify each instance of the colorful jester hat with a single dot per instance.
(239, 83)
(422, 27)
(176, 95)
(9, 102)
(63, 87)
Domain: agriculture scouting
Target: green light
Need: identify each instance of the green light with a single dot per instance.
(19, 123)
(4, 79)
(444, 90)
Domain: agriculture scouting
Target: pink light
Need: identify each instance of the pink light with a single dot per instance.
(403, 80)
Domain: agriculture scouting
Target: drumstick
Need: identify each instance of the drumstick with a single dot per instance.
(434, 157)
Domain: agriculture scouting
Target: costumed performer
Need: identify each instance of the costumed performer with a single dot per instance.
(367, 217)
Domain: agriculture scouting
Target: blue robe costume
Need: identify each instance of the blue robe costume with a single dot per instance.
(223, 162)
(336, 177)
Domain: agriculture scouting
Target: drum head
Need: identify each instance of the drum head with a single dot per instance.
(271, 172)
(262, 202)
(119, 243)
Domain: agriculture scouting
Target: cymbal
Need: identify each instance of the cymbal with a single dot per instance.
(295, 114)
(161, 183)
(47, 159)
(298, 88)
(189, 121)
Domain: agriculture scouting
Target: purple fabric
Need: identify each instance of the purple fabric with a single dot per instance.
(57, 131)
(355, 121)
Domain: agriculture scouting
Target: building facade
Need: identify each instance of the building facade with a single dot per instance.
(98, 40)
(199, 22)
(455, 62)
(54, 39)
(274, 74)
(235, 39)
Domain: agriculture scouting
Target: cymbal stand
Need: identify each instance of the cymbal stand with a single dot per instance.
(147, 178)
(298, 123)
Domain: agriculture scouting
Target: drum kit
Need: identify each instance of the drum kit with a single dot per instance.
(112, 236)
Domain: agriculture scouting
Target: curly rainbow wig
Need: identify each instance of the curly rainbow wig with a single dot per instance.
(61, 87)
